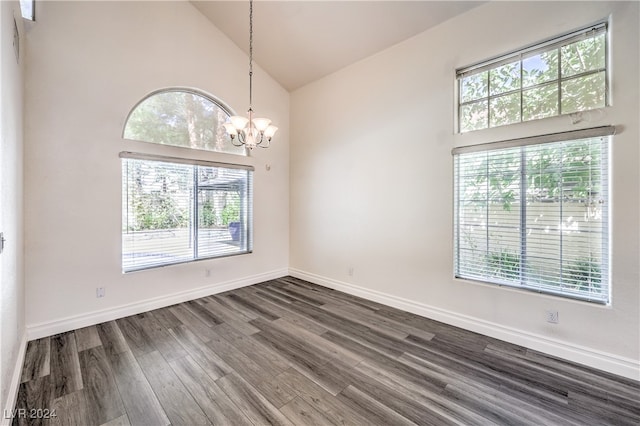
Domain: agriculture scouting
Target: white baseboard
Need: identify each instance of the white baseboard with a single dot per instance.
(611, 363)
(49, 328)
(14, 386)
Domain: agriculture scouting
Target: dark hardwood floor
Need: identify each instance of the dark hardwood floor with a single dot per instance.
(290, 352)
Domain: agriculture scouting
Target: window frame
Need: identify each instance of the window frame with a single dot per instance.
(604, 131)
(28, 9)
(600, 27)
(215, 101)
(247, 237)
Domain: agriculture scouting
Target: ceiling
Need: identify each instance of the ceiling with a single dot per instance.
(298, 42)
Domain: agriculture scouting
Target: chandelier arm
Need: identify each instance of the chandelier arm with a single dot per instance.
(264, 142)
(242, 137)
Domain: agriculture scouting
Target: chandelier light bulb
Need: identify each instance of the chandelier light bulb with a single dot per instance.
(270, 131)
(261, 123)
(231, 130)
(239, 122)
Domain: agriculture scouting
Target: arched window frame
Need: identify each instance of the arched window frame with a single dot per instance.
(214, 100)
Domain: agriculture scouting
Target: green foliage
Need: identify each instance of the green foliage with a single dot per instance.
(504, 110)
(231, 211)
(180, 119)
(583, 55)
(540, 102)
(582, 274)
(540, 68)
(157, 211)
(583, 93)
(474, 87)
(492, 97)
(474, 116)
(504, 264)
(152, 194)
(500, 184)
(570, 172)
(207, 217)
(159, 196)
(505, 78)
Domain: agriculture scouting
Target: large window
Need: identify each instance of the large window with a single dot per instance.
(177, 210)
(180, 117)
(565, 75)
(533, 214)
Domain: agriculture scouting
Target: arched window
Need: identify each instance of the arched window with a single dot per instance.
(181, 117)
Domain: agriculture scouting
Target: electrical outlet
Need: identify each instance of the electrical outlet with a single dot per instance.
(207, 272)
(350, 271)
(552, 317)
(100, 292)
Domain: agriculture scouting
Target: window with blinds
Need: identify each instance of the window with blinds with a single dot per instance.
(564, 75)
(176, 210)
(533, 214)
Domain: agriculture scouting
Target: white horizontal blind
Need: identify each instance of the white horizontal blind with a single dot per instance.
(535, 217)
(175, 212)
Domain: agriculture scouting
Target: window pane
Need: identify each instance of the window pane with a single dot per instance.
(556, 242)
(181, 119)
(503, 256)
(471, 218)
(543, 178)
(583, 178)
(540, 102)
(585, 219)
(505, 110)
(157, 213)
(582, 274)
(27, 9)
(584, 55)
(176, 213)
(540, 68)
(577, 60)
(505, 78)
(473, 116)
(473, 87)
(583, 93)
(222, 208)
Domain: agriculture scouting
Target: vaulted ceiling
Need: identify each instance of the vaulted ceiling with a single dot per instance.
(298, 42)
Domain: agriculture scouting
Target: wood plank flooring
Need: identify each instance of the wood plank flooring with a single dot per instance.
(288, 352)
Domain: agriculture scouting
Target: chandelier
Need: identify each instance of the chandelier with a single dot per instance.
(249, 131)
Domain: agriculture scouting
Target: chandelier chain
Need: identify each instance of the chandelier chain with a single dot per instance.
(249, 131)
(250, 53)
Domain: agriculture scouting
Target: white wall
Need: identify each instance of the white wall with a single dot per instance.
(88, 64)
(371, 181)
(11, 186)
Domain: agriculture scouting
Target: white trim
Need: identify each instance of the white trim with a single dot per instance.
(14, 385)
(546, 45)
(49, 328)
(611, 363)
(572, 135)
(181, 160)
